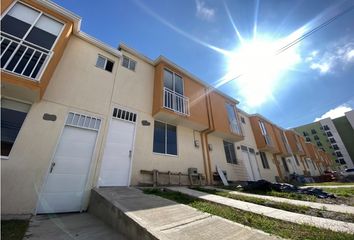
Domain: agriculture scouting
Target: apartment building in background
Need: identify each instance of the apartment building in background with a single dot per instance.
(78, 114)
(339, 143)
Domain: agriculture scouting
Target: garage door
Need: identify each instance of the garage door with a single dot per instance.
(116, 161)
(65, 183)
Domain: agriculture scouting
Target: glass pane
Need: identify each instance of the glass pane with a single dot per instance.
(14, 26)
(132, 65)
(70, 118)
(41, 38)
(13, 115)
(168, 79)
(125, 62)
(233, 153)
(171, 140)
(23, 13)
(178, 84)
(49, 25)
(98, 123)
(159, 137)
(109, 66)
(100, 62)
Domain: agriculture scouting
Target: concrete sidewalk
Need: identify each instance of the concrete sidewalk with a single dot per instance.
(78, 226)
(329, 186)
(329, 207)
(145, 216)
(333, 225)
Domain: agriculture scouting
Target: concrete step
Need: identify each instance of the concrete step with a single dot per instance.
(143, 216)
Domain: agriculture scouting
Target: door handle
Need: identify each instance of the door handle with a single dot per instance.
(51, 167)
(130, 153)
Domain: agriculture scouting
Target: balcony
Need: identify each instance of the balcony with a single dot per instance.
(23, 58)
(175, 102)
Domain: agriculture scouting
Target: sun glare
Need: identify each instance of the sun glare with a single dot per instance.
(258, 69)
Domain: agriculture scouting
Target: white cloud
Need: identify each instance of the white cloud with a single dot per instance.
(335, 113)
(204, 12)
(323, 67)
(337, 56)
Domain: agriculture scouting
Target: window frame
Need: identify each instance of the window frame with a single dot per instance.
(4, 157)
(129, 63)
(233, 123)
(23, 39)
(105, 63)
(165, 143)
(174, 74)
(264, 160)
(230, 146)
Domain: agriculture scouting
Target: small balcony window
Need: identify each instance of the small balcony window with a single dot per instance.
(267, 138)
(329, 134)
(27, 39)
(313, 131)
(173, 97)
(234, 126)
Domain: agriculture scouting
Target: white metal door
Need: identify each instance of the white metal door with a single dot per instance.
(116, 160)
(66, 180)
(247, 163)
(254, 165)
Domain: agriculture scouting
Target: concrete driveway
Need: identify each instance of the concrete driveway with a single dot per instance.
(69, 226)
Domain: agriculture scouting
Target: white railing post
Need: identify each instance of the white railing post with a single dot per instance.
(175, 102)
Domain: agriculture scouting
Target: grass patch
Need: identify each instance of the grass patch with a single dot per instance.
(341, 192)
(284, 206)
(329, 184)
(273, 226)
(13, 229)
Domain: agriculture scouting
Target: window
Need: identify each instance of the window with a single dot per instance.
(128, 63)
(285, 164)
(335, 147)
(329, 134)
(13, 114)
(264, 160)
(173, 82)
(243, 120)
(323, 149)
(316, 137)
(332, 140)
(234, 127)
(307, 164)
(319, 144)
(264, 132)
(296, 160)
(325, 127)
(305, 133)
(104, 63)
(308, 139)
(165, 138)
(339, 154)
(28, 37)
(341, 161)
(313, 131)
(230, 152)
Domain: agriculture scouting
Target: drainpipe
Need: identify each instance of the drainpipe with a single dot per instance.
(204, 139)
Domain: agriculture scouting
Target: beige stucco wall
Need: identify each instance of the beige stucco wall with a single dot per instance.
(78, 86)
(235, 172)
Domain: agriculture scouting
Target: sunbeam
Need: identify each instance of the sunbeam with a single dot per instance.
(178, 30)
(233, 23)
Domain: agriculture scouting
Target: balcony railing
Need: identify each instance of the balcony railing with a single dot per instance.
(175, 102)
(23, 58)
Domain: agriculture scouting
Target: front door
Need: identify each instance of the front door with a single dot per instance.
(116, 162)
(65, 184)
(250, 161)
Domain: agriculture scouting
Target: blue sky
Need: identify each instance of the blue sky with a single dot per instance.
(218, 40)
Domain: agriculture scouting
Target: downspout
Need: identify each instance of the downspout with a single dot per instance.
(204, 139)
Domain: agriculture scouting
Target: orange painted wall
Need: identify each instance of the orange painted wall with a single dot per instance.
(192, 89)
(260, 141)
(58, 51)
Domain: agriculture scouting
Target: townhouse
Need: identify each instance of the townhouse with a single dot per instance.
(78, 114)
